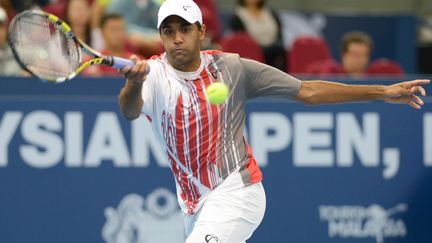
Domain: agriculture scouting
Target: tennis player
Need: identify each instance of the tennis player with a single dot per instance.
(218, 181)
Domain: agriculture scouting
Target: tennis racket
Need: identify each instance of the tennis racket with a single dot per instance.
(46, 47)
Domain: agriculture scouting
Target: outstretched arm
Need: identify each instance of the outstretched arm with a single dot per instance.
(130, 98)
(323, 92)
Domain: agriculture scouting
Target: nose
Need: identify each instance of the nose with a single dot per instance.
(178, 38)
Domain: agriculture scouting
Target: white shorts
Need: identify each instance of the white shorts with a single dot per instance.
(227, 217)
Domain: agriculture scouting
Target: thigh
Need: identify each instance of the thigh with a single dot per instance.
(229, 217)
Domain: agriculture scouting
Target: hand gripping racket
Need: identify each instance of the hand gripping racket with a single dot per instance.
(45, 46)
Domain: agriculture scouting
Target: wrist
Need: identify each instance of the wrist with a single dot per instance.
(385, 91)
(135, 82)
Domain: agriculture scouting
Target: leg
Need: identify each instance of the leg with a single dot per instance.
(229, 217)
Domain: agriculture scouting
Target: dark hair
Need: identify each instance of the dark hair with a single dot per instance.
(356, 37)
(197, 24)
(67, 20)
(260, 4)
(111, 16)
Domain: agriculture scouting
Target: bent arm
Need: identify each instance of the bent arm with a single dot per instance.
(324, 92)
(130, 97)
(130, 100)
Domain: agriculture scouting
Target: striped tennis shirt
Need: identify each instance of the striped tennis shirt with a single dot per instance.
(204, 143)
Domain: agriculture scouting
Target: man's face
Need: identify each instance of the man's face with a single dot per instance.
(182, 42)
(114, 33)
(356, 59)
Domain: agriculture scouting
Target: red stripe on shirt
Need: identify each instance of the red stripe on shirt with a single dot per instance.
(179, 126)
(252, 167)
(206, 168)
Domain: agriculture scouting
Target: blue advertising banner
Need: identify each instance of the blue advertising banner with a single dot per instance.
(72, 169)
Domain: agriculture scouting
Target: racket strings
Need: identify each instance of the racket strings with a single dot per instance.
(43, 48)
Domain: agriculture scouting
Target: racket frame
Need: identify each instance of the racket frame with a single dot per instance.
(62, 26)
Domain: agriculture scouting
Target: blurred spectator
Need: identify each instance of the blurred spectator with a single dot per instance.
(113, 27)
(264, 27)
(77, 15)
(8, 65)
(141, 21)
(7, 6)
(355, 53)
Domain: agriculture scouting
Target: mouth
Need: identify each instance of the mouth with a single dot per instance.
(178, 51)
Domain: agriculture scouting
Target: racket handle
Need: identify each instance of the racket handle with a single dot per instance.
(120, 63)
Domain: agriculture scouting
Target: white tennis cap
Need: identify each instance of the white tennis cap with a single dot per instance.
(187, 9)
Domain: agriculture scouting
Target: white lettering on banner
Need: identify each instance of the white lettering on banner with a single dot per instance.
(107, 142)
(350, 138)
(73, 135)
(143, 142)
(319, 139)
(8, 125)
(427, 137)
(363, 222)
(391, 162)
(264, 142)
(312, 139)
(46, 147)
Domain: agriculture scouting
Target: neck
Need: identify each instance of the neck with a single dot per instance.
(253, 9)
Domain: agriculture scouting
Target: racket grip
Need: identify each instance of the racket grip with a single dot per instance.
(120, 63)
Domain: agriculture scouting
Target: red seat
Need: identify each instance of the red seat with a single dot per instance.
(210, 4)
(307, 50)
(328, 66)
(385, 66)
(244, 45)
(211, 20)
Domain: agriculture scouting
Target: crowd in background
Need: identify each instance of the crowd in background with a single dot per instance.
(123, 27)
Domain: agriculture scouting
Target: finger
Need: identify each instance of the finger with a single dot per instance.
(418, 82)
(418, 89)
(134, 58)
(417, 100)
(422, 91)
(144, 69)
(414, 105)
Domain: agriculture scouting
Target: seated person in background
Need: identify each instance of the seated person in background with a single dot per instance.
(141, 21)
(113, 28)
(356, 50)
(8, 64)
(77, 14)
(263, 25)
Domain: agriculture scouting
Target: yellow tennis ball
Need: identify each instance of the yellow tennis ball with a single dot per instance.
(217, 93)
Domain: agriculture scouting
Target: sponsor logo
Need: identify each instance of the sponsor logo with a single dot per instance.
(211, 238)
(156, 218)
(185, 8)
(363, 222)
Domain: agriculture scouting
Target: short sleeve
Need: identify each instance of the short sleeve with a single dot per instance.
(264, 80)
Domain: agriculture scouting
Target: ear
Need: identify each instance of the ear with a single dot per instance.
(202, 32)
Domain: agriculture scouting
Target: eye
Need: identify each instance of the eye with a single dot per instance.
(185, 29)
(167, 31)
